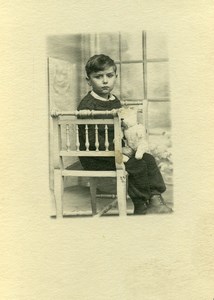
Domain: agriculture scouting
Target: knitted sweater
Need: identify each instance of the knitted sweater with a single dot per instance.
(91, 103)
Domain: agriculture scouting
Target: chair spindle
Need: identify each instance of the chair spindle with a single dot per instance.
(77, 138)
(68, 143)
(96, 138)
(106, 138)
(86, 138)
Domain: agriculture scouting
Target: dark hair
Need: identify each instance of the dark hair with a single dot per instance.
(99, 63)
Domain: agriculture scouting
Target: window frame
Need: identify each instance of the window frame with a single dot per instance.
(144, 101)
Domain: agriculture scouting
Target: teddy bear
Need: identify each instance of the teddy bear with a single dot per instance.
(134, 134)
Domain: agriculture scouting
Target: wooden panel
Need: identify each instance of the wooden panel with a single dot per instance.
(87, 153)
(61, 75)
(61, 96)
(84, 173)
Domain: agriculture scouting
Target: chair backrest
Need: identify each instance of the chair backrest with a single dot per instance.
(66, 127)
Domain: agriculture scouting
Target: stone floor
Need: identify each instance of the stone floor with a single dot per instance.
(76, 202)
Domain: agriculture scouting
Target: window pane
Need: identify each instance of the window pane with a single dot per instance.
(159, 117)
(132, 81)
(131, 45)
(156, 45)
(108, 44)
(158, 80)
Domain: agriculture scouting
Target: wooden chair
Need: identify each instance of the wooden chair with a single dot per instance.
(70, 122)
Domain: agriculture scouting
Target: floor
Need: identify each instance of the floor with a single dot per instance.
(76, 202)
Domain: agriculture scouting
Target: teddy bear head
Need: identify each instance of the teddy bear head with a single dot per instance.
(128, 117)
(133, 132)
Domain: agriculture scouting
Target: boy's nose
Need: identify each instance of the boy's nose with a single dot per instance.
(105, 79)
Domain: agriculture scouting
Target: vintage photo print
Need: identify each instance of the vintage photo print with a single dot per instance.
(107, 113)
(110, 141)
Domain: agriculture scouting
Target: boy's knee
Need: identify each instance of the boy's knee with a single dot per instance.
(149, 158)
(162, 188)
(134, 166)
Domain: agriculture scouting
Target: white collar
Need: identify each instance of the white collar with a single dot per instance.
(101, 98)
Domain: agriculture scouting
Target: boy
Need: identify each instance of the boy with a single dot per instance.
(145, 182)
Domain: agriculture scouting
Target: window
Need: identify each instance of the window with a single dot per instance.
(142, 60)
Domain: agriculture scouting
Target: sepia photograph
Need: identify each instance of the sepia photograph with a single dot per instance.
(110, 140)
(107, 150)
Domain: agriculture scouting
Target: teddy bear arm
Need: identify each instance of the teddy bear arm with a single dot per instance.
(141, 149)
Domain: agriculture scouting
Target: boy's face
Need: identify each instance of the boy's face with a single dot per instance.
(102, 82)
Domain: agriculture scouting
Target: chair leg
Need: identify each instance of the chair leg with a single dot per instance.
(93, 189)
(58, 192)
(121, 192)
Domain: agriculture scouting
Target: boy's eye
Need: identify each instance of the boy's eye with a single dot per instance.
(110, 75)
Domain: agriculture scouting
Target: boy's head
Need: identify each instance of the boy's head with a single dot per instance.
(101, 74)
(99, 63)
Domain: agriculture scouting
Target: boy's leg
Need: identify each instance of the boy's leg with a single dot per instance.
(156, 182)
(157, 187)
(138, 184)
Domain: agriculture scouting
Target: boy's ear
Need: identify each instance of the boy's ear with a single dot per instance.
(88, 81)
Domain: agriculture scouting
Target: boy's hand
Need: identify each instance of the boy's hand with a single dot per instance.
(128, 151)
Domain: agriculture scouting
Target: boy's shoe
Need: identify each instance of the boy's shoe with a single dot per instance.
(140, 208)
(157, 205)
